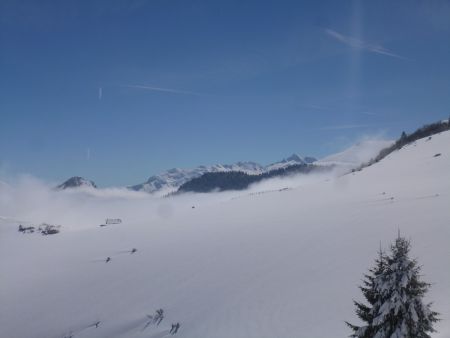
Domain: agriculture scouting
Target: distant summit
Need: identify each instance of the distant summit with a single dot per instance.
(76, 182)
(295, 157)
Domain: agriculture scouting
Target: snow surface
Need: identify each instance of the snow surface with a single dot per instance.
(268, 262)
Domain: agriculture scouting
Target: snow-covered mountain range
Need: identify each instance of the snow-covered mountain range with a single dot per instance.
(350, 158)
(172, 179)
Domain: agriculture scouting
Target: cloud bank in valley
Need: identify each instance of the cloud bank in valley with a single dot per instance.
(29, 200)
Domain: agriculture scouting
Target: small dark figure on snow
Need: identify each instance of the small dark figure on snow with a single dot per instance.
(24, 230)
(151, 319)
(97, 324)
(108, 259)
(159, 316)
(177, 326)
(133, 250)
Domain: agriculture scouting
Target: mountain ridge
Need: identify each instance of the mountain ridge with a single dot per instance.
(170, 180)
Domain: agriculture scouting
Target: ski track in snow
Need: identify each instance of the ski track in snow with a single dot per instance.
(274, 264)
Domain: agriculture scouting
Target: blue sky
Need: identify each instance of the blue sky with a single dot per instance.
(116, 91)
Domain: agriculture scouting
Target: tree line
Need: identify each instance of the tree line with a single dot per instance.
(238, 180)
(425, 131)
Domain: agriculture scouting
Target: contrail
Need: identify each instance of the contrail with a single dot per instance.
(360, 44)
(345, 126)
(166, 90)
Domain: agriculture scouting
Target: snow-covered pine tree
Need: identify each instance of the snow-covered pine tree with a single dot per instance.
(401, 313)
(363, 311)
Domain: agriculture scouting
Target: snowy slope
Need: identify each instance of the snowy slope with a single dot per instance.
(357, 154)
(281, 264)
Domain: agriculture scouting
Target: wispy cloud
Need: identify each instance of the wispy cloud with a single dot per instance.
(313, 106)
(363, 45)
(345, 126)
(166, 90)
(100, 93)
(368, 113)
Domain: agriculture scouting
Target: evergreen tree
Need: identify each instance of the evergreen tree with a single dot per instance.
(395, 294)
(363, 311)
(402, 140)
(401, 313)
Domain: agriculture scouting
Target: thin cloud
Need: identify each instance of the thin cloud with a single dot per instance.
(345, 126)
(314, 106)
(165, 90)
(368, 113)
(363, 45)
(100, 93)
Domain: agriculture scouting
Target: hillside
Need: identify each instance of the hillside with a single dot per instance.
(280, 264)
(236, 180)
(425, 131)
